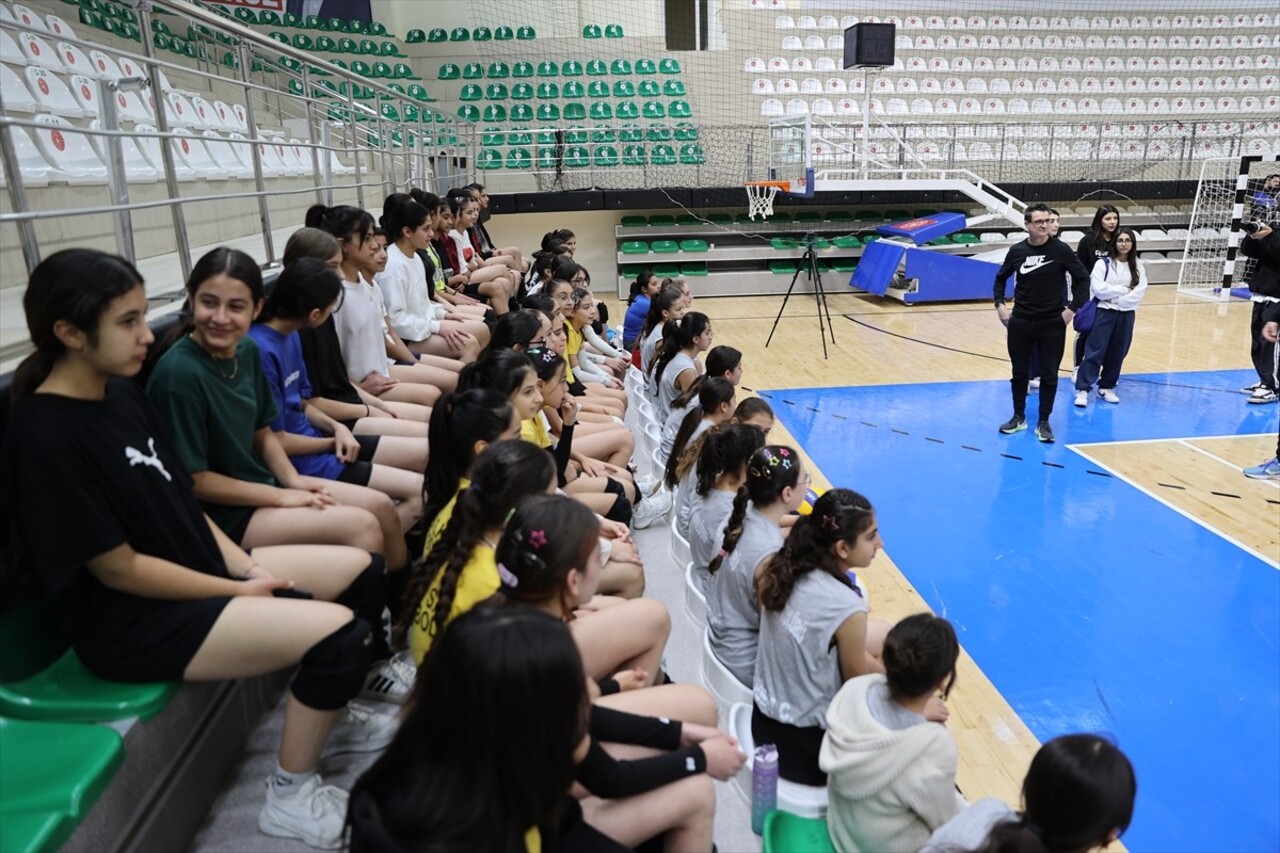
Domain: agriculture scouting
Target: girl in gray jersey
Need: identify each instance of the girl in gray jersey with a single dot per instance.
(750, 534)
(721, 472)
(815, 633)
(677, 366)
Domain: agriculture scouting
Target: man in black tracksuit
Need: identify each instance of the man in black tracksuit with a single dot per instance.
(1039, 322)
(1263, 246)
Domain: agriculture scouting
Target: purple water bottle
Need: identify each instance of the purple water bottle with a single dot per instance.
(764, 785)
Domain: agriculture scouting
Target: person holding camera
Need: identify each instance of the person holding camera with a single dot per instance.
(1262, 243)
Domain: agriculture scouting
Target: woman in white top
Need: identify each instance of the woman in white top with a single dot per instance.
(1119, 282)
(494, 282)
(677, 368)
(415, 317)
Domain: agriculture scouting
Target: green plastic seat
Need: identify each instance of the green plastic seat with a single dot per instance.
(522, 69)
(597, 68)
(498, 71)
(577, 157)
(547, 68)
(669, 66)
(493, 136)
(662, 220)
(382, 70)
(437, 35)
(415, 37)
(604, 134)
(481, 34)
(548, 91)
(666, 270)
(870, 216)
(646, 66)
(338, 25)
(634, 155)
(575, 112)
(719, 219)
(693, 245)
(847, 241)
(496, 92)
(809, 216)
(267, 16)
(686, 132)
(664, 247)
(230, 60)
(495, 112)
(571, 68)
(654, 109)
(613, 31)
(377, 28)
(597, 89)
(245, 15)
(620, 67)
(573, 89)
(459, 34)
(695, 270)
(839, 216)
(592, 31)
(526, 33)
(546, 159)
(634, 247)
(302, 41)
(346, 44)
(782, 267)
(90, 18)
(577, 136)
(624, 89)
(658, 133)
(897, 215)
(631, 133)
(649, 89)
(389, 48)
(312, 22)
(788, 833)
(519, 158)
(963, 239)
(359, 66)
(358, 26)
(326, 44)
(519, 136)
(548, 112)
(600, 111)
(490, 158)
(686, 219)
(780, 217)
(402, 71)
(869, 239)
(522, 112)
(290, 63)
(159, 26)
(680, 109)
(522, 92)
(627, 110)
(473, 71)
(605, 157)
(673, 88)
(844, 264)
(504, 33)
(471, 92)
(389, 112)
(818, 242)
(634, 221)
(470, 112)
(783, 244)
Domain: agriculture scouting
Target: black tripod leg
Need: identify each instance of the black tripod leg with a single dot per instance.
(790, 288)
(820, 300)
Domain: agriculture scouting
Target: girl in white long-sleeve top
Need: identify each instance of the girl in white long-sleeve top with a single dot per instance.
(1119, 282)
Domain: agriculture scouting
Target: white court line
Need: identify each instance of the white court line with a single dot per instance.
(1173, 438)
(1233, 466)
(1270, 561)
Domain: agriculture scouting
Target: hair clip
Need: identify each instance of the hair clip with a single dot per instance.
(723, 553)
(829, 523)
(508, 578)
(782, 451)
(786, 464)
(537, 539)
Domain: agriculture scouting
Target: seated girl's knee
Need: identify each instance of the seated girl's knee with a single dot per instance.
(333, 670)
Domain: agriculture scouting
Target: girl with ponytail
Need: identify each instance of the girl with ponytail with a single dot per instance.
(667, 305)
(472, 313)
(459, 570)
(893, 772)
(463, 271)
(721, 472)
(815, 633)
(677, 367)
(715, 406)
(462, 425)
(774, 487)
(643, 289)
(724, 362)
(1078, 795)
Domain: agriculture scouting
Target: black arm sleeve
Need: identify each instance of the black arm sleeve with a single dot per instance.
(1079, 273)
(607, 777)
(1012, 259)
(608, 686)
(620, 727)
(563, 448)
(1084, 251)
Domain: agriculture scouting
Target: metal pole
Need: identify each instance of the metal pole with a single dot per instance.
(117, 179)
(259, 185)
(355, 148)
(166, 145)
(17, 192)
(309, 107)
(326, 139)
(865, 149)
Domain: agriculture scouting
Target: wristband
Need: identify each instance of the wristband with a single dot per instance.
(248, 569)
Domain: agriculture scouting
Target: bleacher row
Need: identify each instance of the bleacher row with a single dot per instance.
(1057, 23)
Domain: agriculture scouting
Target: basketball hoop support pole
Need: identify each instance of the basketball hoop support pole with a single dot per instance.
(809, 265)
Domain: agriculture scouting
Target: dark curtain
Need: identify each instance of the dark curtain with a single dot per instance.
(347, 10)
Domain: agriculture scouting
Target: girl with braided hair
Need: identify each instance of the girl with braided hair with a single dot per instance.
(724, 362)
(677, 367)
(715, 406)
(774, 486)
(721, 473)
(459, 570)
(814, 629)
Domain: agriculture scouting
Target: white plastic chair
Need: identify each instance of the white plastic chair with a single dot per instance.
(695, 603)
(38, 52)
(753, 65)
(17, 97)
(74, 60)
(149, 144)
(35, 169)
(68, 151)
(779, 64)
(10, 53)
(802, 63)
(811, 86)
(192, 151)
(797, 107)
(51, 93)
(804, 800)
(58, 27)
(85, 93)
(29, 18)
(137, 168)
(104, 66)
(224, 154)
(179, 112)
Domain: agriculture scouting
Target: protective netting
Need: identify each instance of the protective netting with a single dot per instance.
(1135, 92)
(1225, 196)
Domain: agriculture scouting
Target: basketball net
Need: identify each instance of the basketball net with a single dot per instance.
(760, 196)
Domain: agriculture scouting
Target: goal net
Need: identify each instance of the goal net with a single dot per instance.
(1224, 199)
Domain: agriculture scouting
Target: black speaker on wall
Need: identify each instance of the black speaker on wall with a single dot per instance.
(869, 46)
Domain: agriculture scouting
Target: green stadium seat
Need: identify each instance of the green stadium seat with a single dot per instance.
(631, 133)
(547, 68)
(571, 68)
(245, 15)
(495, 112)
(673, 88)
(459, 34)
(847, 241)
(663, 155)
(490, 158)
(680, 109)
(634, 247)
(473, 71)
(649, 89)
(519, 136)
(496, 92)
(267, 16)
(809, 216)
(654, 109)
(782, 267)
(839, 216)
(788, 833)
(686, 132)
(359, 66)
(600, 111)
(666, 270)
(624, 89)
(605, 157)
(401, 71)
(382, 71)
(597, 89)
(627, 110)
(646, 66)
(694, 270)
(470, 112)
(620, 67)
(389, 112)
(573, 89)
(577, 157)
(230, 60)
(522, 92)
(634, 221)
(90, 18)
(498, 71)
(437, 35)
(521, 112)
(356, 26)
(662, 220)
(481, 34)
(692, 154)
(719, 219)
(346, 44)
(548, 91)
(783, 244)
(604, 134)
(493, 136)
(693, 245)
(592, 31)
(377, 28)
(870, 216)
(368, 47)
(326, 44)
(819, 242)
(338, 25)
(301, 41)
(548, 112)
(597, 68)
(664, 247)
(526, 33)
(869, 239)
(669, 66)
(613, 31)
(576, 136)
(505, 33)
(897, 215)
(844, 264)
(944, 240)
(519, 158)
(963, 239)
(658, 133)
(159, 26)
(575, 112)
(290, 63)
(471, 92)
(311, 22)
(389, 48)
(522, 69)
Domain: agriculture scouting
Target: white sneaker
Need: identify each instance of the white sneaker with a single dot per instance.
(1249, 389)
(1108, 394)
(316, 814)
(648, 486)
(1034, 384)
(390, 680)
(1263, 395)
(359, 729)
(652, 508)
(1082, 399)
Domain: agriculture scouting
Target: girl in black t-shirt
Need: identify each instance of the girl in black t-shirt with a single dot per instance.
(148, 588)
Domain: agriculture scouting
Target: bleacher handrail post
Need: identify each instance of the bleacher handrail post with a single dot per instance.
(17, 190)
(117, 178)
(259, 181)
(308, 106)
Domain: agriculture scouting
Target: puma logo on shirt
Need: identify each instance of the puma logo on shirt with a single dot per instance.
(136, 457)
(1032, 264)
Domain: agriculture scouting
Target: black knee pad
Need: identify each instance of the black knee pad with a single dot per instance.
(620, 511)
(367, 593)
(333, 670)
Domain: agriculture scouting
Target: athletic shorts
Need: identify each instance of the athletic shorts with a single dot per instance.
(145, 639)
(798, 747)
(358, 473)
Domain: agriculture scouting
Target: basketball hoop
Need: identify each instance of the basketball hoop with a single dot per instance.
(760, 195)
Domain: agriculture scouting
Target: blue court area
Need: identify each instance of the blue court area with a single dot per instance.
(1089, 604)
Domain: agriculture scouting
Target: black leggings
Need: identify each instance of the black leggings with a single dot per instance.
(798, 747)
(1047, 338)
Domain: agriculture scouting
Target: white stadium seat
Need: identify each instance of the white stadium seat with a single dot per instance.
(51, 93)
(136, 166)
(17, 98)
(68, 151)
(38, 52)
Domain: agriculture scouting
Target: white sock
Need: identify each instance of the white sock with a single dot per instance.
(285, 784)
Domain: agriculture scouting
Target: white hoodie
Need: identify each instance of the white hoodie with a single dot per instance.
(888, 790)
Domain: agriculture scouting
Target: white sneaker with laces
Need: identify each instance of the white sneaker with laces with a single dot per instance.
(1034, 384)
(390, 680)
(1249, 389)
(1263, 395)
(315, 814)
(652, 508)
(360, 729)
(1108, 394)
(1082, 399)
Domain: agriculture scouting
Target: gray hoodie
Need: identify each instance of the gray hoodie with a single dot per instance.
(888, 789)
